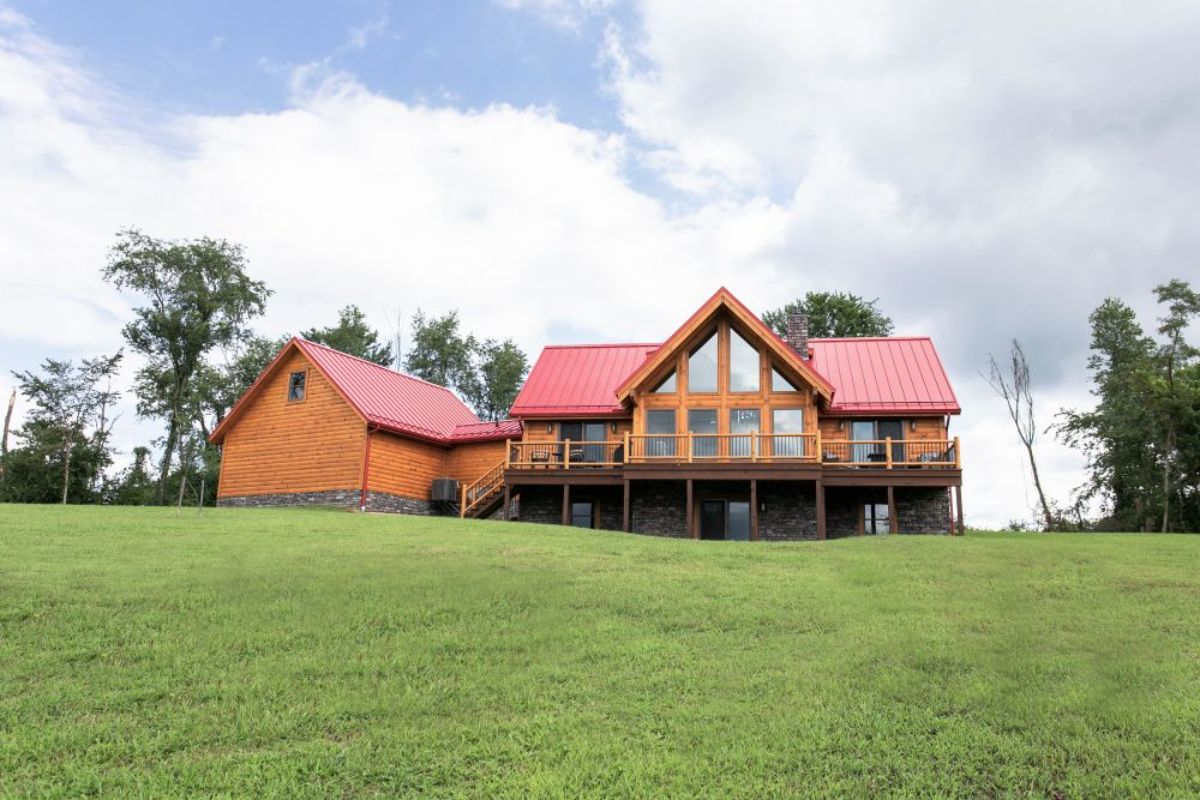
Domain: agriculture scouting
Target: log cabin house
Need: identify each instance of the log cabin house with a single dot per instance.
(723, 431)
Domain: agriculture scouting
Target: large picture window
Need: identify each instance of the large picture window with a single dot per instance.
(742, 423)
(660, 422)
(743, 364)
(702, 423)
(786, 423)
(702, 367)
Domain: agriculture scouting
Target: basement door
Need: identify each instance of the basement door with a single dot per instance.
(725, 519)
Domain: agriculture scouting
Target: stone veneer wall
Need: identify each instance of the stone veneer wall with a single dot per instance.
(788, 511)
(923, 510)
(339, 498)
(659, 508)
(543, 504)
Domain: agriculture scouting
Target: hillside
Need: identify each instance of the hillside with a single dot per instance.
(319, 653)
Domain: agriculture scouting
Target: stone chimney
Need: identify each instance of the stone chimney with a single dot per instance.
(797, 333)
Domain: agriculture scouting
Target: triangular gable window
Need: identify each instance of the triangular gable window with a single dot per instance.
(779, 383)
(743, 364)
(702, 367)
(667, 386)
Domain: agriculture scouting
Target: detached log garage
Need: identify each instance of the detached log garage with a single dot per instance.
(320, 427)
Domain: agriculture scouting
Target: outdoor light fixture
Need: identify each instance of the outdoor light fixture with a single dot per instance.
(841, 424)
(549, 427)
(614, 427)
(912, 425)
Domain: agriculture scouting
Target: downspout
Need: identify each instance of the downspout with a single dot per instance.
(366, 469)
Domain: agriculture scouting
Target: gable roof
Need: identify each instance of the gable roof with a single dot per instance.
(884, 375)
(389, 400)
(579, 380)
(724, 299)
(893, 375)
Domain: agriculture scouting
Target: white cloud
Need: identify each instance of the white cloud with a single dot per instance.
(986, 172)
(567, 14)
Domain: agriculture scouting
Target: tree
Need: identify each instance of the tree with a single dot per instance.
(199, 298)
(66, 399)
(440, 354)
(1016, 389)
(1142, 438)
(498, 370)
(352, 335)
(1174, 399)
(833, 314)
(220, 386)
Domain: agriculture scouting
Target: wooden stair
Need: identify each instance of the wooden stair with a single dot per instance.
(484, 496)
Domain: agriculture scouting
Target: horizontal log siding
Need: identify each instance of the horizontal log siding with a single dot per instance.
(404, 467)
(467, 463)
(277, 447)
(927, 428)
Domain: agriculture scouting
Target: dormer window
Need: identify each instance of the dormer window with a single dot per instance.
(702, 367)
(296, 383)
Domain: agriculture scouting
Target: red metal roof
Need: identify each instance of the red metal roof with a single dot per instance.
(484, 431)
(390, 400)
(580, 380)
(894, 375)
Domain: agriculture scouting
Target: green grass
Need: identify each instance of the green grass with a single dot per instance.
(318, 653)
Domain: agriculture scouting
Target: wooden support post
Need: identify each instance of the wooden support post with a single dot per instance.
(625, 458)
(462, 503)
(507, 453)
(691, 526)
(507, 500)
(691, 451)
(566, 456)
(753, 509)
(626, 522)
(958, 458)
(893, 525)
(566, 515)
(887, 443)
(820, 510)
(958, 499)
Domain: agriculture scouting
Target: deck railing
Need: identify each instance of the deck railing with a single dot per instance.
(702, 447)
(682, 448)
(891, 453)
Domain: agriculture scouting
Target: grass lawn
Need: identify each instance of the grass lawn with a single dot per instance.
(321, 653)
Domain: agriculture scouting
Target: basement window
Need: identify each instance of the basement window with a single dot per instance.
(296, 383)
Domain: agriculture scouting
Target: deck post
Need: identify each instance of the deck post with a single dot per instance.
(691, 527)
(507, 500)
(754, 509)
(958, 499)
(566, 514)
(820, 510)
(625, 518)
(893, 521)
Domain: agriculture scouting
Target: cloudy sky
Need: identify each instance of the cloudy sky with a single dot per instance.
(591, 170)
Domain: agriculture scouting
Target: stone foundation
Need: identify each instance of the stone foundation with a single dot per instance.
(338, 498)
(788, 510)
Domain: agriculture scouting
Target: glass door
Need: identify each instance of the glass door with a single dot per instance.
(894, 429)
(862, 431)
(712, 519)
(578, 432)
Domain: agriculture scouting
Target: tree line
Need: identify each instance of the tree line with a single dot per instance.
(199, 354)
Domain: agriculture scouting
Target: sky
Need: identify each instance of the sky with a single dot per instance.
(570, 171)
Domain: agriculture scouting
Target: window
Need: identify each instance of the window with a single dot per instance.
(786, 423)
(743, 364)
(876, 519)
(582, 515)
(781, 384)
(661, 422)
(296, 387)
(702, 367)
(743, 421)
(703, 423)
(667, 386)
